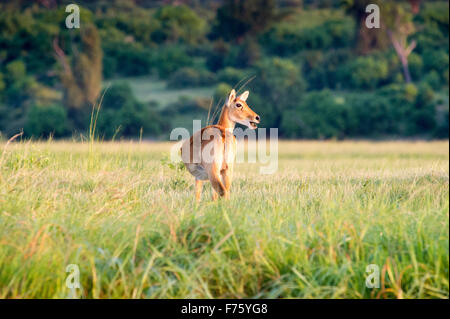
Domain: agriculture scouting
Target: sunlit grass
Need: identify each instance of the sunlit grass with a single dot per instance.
(129, 221)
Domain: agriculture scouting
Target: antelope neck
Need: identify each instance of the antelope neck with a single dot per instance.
(225, 120)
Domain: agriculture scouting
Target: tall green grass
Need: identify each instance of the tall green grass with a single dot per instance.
(129, 221)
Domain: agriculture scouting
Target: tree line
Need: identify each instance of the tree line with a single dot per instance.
(314, 69)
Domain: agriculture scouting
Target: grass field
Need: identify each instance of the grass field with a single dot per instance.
(128, 220)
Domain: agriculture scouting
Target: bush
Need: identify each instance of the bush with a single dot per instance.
(289, 38)
(18, 86)
(182, 112)
(365, 72)
(15, 70)
(433, 80)
(318, 115)
(412, 108)
(395, 110)
(221, 92)
(278, 85)
(324, 70)
(231, 75)
(224, 54)
(170, 59)
(216, 55)
(437, 60)
(190, 77)
(415, 64)
(126, 59)
(43, 121)
(178, 24)
(122, 115)
(246, 54)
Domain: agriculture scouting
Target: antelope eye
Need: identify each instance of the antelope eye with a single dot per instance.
(239, 105)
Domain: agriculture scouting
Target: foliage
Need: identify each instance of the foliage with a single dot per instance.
(121, 114)
(396, 110)
(278, 85)
(190, 77)
(43, 121)
(365, 72)
(305, 121)
(237, 18)
(287, 38)
(126, 59)
(288, 51)
(178, 24)
(171, 58)
(231, 75)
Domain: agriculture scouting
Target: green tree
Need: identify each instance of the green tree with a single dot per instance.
(365, 72)
(43, 121)
(318, 115)
(278, 85)
(178, 24)
(18, 85)
(237, 18)
(122, 115)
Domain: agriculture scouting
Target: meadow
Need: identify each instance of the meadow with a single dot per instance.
(127, 218)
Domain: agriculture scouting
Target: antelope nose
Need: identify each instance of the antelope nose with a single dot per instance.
(257, 118)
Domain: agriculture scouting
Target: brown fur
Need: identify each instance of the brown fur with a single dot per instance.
(219, 171)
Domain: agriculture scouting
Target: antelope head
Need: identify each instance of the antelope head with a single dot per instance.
(240, 112)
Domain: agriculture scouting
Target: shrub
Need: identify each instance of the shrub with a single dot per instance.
(182, 112)
(170, 59)
(395, 110)
(437, 60)
(190, 77)
(126, 59)
(318, 115)
(178, 24)
(43, 121)
(221, 92)
(15, 70)
(18, 86)
(365, 72)
(433, 80)
(238, 18)
(122, 115)
(403, 107)
(324, 70)
(289, 38)
(415, 64)
(278, 85)
(231, 75)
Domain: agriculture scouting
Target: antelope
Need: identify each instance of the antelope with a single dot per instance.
(216, 152)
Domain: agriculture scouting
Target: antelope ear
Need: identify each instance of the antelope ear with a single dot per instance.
(244, 96)
(231, 97)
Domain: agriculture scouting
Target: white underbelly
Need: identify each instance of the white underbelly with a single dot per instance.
(198, 171)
